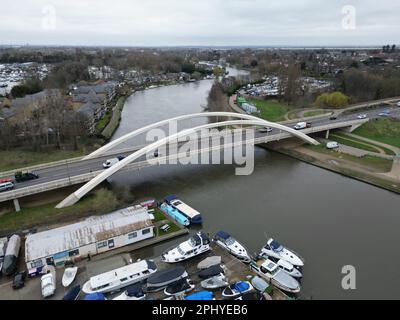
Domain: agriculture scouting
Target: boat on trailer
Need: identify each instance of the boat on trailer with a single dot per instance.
(230, 244)
(120, 278)
(193, 215)
(69, 276)
(162, 279)
(179, 287)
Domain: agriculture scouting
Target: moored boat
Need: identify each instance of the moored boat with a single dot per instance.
(227, 242)
(193, 247)
(237, 289)
(193, 215)
(162, 279)
(120, 278)
(275, 250)
(174, 214)
(133, 292)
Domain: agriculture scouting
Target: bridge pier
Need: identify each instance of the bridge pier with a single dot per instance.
(327, 134)
(16, 205)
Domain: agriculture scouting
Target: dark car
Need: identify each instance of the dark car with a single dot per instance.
(25, 176)
(333, 118)
(120, 158)
(309, 124)
(19, 280)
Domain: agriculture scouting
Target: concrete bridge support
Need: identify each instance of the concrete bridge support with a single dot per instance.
(327, 134)
(16, 205)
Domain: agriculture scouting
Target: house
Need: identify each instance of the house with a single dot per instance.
(89, 237)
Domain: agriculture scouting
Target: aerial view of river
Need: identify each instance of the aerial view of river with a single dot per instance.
(331, 220)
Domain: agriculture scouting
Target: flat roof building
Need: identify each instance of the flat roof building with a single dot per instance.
(89, 237)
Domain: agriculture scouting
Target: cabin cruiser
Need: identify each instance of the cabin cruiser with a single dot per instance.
(227, 242)
(69, 276)
(134, 292)
(271, 272)
(237, 289)
(275, 250)
(179, 287)
(120, 278)
(162, 279)
(193, 215)
(196, 245)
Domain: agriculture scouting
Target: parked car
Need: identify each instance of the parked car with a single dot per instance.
(19, 280)
(25, 176)
(362, 116)
(332, 145)
(265, 130)
(7, 186)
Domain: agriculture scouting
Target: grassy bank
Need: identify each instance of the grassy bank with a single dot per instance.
(100, 202)
(314, 113)
(270, 109)
(382, 130)
(359, 144)
(115, 118)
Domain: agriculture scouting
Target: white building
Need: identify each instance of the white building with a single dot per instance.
(91, 236)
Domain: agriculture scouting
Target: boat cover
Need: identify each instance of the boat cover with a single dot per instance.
(13, 246)
(178, 286)
(211, 272)
(72, 293)
(242, 286)
(259, 284)
(202, 295)
(214, 282)
(223, 235)
(95, 296)
(134, 291)
(208, 262)
(170, 198)
(198, 237)
(165, 276)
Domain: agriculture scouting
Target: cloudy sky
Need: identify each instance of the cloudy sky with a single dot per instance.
(200, 22)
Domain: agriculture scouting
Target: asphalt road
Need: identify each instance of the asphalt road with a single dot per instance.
(77, 168)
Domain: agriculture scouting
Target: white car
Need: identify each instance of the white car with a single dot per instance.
(398, 104)
(362, 116)
(48, 284)
(110, 162)
(265, 130)
(332, 145)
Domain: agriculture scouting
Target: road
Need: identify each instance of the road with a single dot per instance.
(75, 168)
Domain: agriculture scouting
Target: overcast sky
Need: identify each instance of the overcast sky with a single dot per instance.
(199, 22)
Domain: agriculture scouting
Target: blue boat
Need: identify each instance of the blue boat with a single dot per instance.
(174, 214)
(202, 295)
(193, 215)
(95, 296)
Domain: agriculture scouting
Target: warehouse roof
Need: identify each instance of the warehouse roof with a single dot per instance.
(90, 230)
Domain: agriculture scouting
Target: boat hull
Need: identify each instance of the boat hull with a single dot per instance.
(69, 276)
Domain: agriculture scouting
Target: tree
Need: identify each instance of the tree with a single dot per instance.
(332, 100)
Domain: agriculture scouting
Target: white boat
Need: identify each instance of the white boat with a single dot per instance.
(196, 245)
(275, 250)
(227, 242)
(215, 282)
(237, 289)
(69, 276)
(285, 266)
(134, 292)
(270, 271)
(120, 278)
(3, 247)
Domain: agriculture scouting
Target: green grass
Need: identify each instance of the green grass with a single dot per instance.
(314, 113)
(380, 164)
(100, 202)
(158, 215)
(103, 122)
(382, 130)
(360, 144)
(270, 110)
(113, 123)
(173, 228)
(10, 160)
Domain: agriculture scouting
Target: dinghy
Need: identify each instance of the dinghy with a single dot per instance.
(69, 276)
(237, 289)
(179, 287)
(209, 262)
(215, 282)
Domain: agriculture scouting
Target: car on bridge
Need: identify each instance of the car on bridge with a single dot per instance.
(25, 176)
(362, 116)
(265, 130)
(7, 186)
(385, 113)
(110, 162)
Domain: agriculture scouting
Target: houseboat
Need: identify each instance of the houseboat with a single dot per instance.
(193, 215)
(174, 214)
(196, 245)
(120, 278)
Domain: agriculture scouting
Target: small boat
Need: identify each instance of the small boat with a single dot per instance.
(174, 214)
(196, 245)
(237, 289)
(179, 287)
(211, 272)
(73, 293)
(288, 268)
(69, 276)
(134, 292)
(202, 295)
(162, 279)
(259, 284)
(11, 255)
(251, 296)
(209, 262)
(193, 215)
(120, 278)
(275, 250)
(3, 247)
(227, 242)
(215, 282)
(270, 271)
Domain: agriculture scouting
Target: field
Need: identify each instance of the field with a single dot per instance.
(382, 130)
(270, 109)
